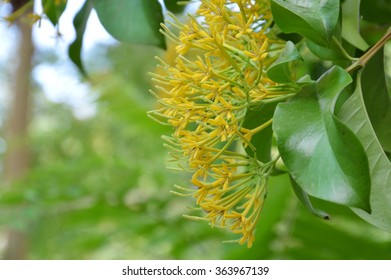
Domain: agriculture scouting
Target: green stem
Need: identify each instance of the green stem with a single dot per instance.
(18, 13)
(255, 104)
(363, 60)
(261, 127)
(342, 49)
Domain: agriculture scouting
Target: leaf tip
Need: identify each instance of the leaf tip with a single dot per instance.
(327, 217)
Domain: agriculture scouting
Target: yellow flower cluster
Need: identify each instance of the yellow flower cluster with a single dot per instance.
(218, 75)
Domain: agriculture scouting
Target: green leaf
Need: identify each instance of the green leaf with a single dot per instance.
(281, 71)
(304, 198)
(322, 155)
(378, 11)
(351, 24)
(136, 21)
(79, 23)
(54, 9)
(305, 80)
(173, 6)
(261, 141)
(354, 114)
(331, 53)
(315, 20)
(293, 37)
(377, 99)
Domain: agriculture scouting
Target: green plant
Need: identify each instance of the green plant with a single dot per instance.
(259, 88)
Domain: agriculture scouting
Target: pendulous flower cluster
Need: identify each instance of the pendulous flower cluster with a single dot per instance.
(218, 75)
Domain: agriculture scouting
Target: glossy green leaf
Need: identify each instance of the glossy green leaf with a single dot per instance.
(331, 53)
(323, 155)
(280, 71)
(174, 6)
(54, 9)
(354, 114)
(351, 24)
(305, 80)
(136, 21)
(377, 99)
(261, 141)
(304, 198)
(378, 11)
(293, 37)
(315, 20)
(79, 23)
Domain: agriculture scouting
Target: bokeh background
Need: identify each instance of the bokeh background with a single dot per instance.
(94, 182)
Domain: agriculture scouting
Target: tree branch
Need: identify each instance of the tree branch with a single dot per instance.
(363, 60)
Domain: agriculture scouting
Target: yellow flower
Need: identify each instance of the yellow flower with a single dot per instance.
(217, 75)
